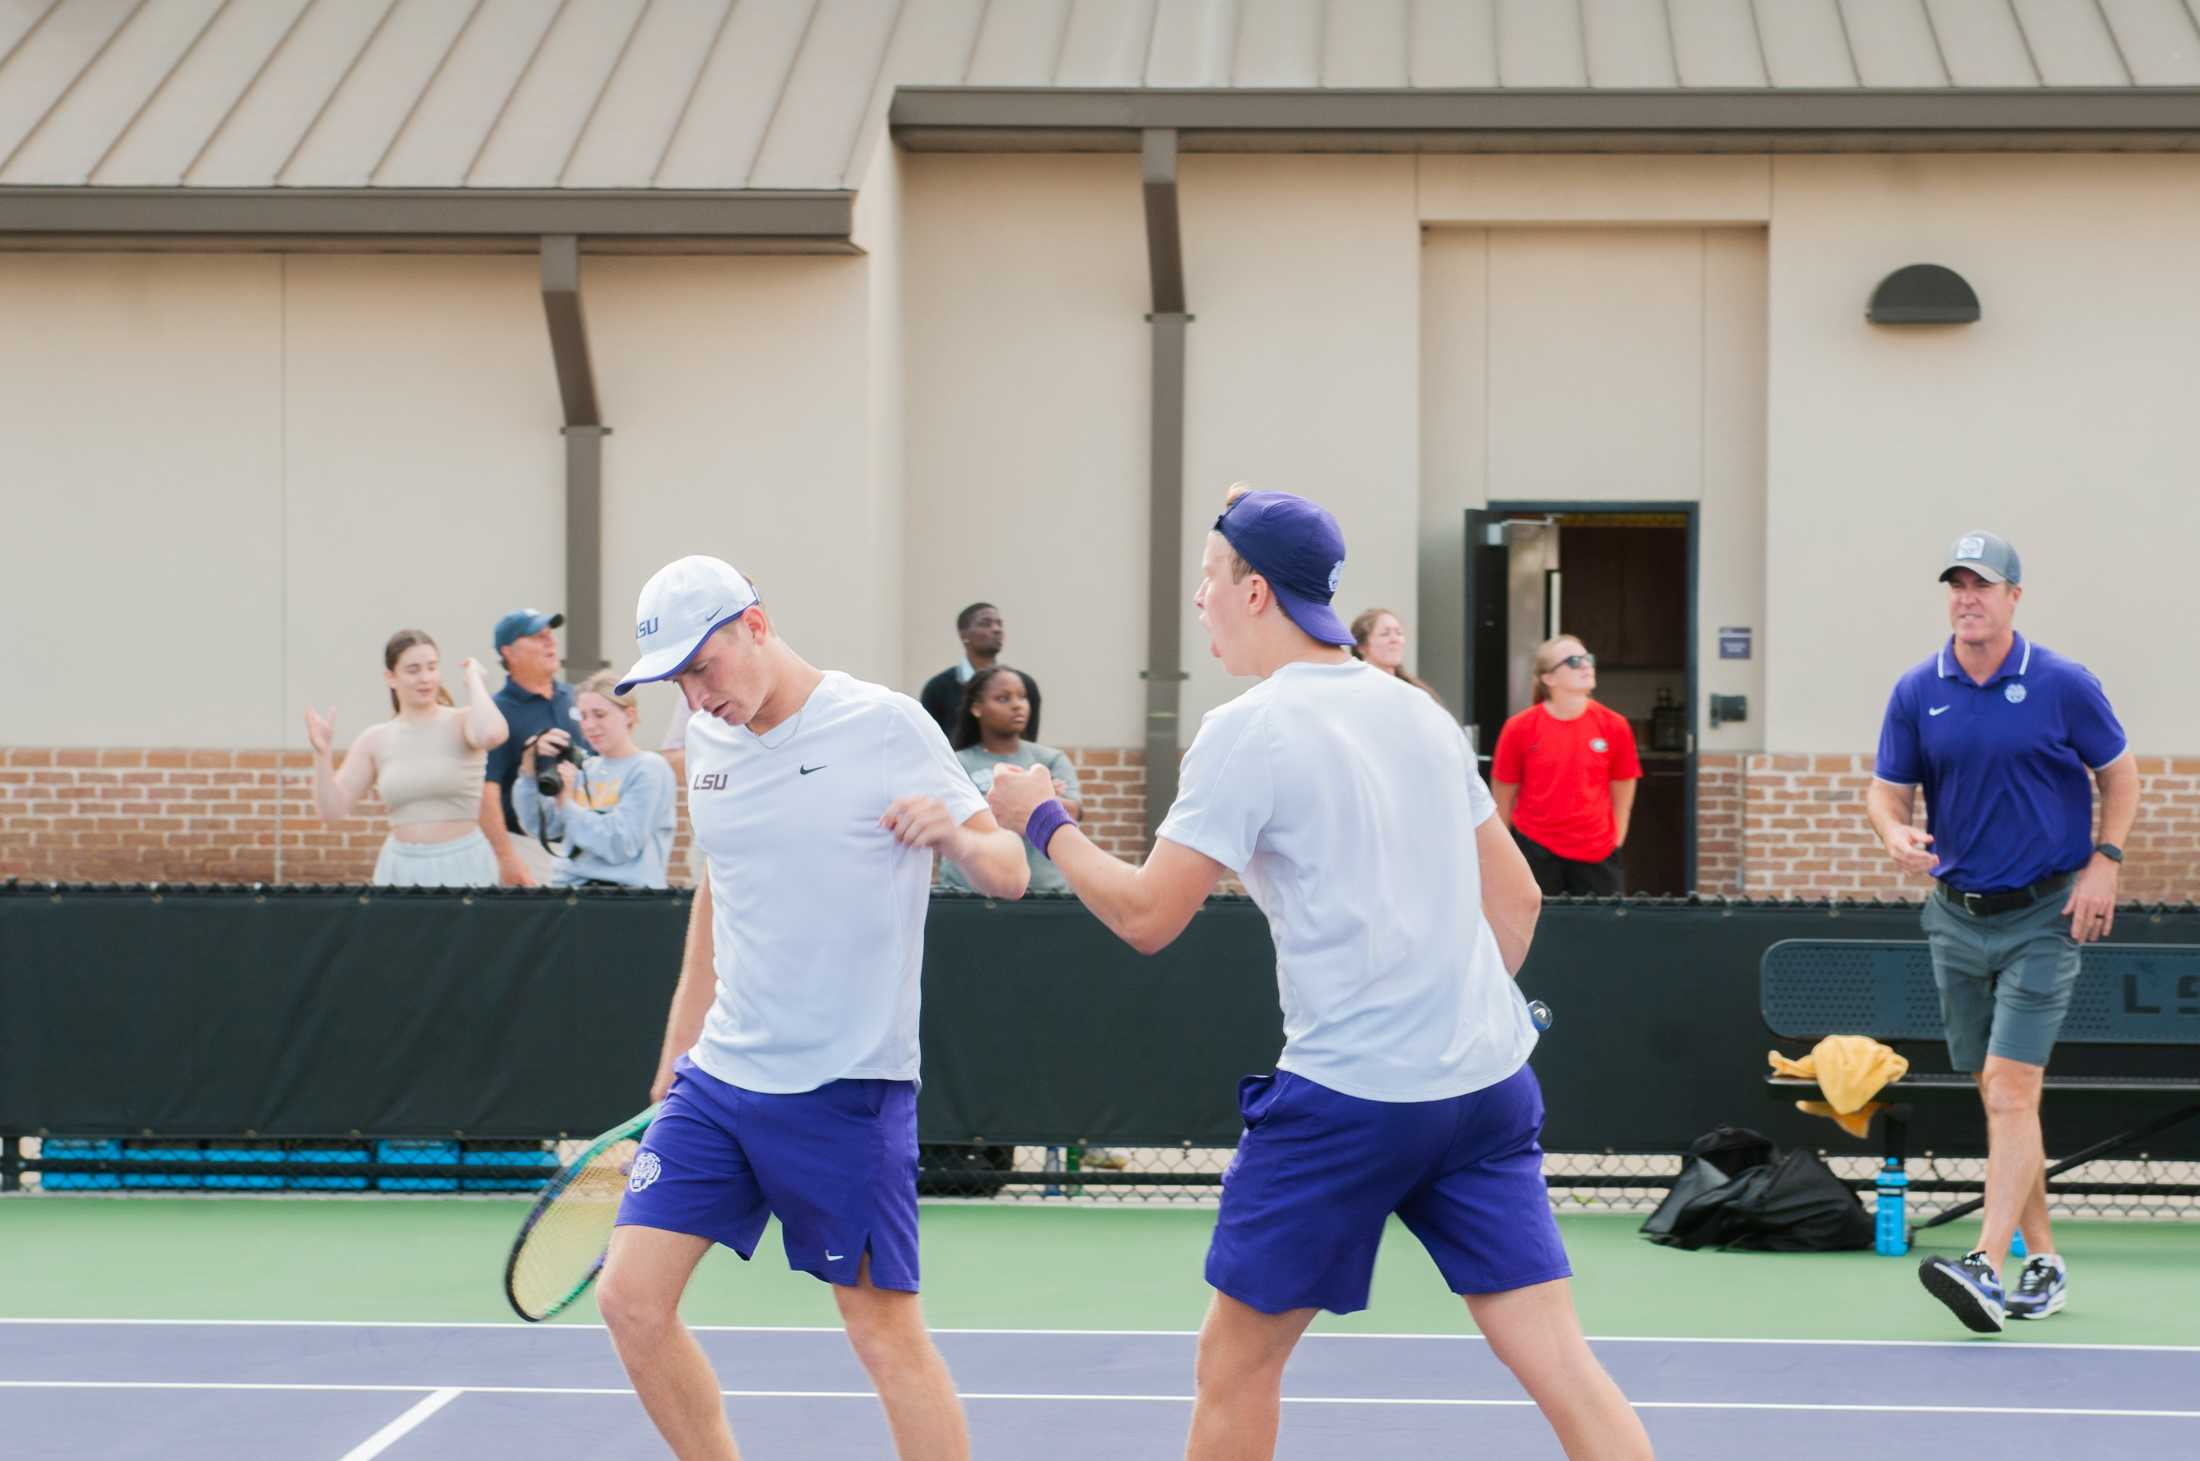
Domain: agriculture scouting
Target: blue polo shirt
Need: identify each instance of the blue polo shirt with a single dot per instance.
(527, 715)
(2003, 764)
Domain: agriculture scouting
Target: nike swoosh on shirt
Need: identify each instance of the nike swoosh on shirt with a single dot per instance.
(1937, 710)
(808, 769)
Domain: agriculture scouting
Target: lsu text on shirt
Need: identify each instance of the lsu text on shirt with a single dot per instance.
(817, 913)
(1347, 801)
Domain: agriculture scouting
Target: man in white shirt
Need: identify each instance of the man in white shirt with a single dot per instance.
(1347, 801)
(789, 1069)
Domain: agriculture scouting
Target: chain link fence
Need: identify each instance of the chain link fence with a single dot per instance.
(2132, 1187)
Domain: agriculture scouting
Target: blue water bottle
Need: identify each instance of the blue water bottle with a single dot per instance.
(1890, 1234)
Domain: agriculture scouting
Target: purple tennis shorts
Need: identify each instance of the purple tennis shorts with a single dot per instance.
(837, 1166)
(1319, 1172)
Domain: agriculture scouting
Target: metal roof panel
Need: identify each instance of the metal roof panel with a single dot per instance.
(2160, 40)
(534, 135)
(1982, 43)
(1106, 43)
(1279, 43)
(49, 59)
(354, 131)
(1715, 43)
(446, 131)
(1628, 43)
(2071, 44)
(1894, 43)
(252, 143)
(1366, 44)
(1194, 42)
(181, 117)
(1455, 45)
(1806, 43)
(112, 90)
(813, 130)
(1019, 44)
(1540, 45)
(634, 120)
(716, 141)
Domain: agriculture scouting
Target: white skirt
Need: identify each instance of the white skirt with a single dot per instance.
(462, 862)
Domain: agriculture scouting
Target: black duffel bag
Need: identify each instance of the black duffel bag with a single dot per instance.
(1734, 1193)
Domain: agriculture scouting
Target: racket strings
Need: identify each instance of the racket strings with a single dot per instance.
(564, 1246)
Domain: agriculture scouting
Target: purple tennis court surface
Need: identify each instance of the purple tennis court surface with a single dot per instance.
(245, 1391)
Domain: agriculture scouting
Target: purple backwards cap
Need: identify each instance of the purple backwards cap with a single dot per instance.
(1298, 547)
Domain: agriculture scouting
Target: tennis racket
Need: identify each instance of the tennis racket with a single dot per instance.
(560, 1247)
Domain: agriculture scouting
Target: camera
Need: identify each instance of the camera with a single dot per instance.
(548, 783)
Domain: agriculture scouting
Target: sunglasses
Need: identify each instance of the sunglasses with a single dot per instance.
(1575, 662)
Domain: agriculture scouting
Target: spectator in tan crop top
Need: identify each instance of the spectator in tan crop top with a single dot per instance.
(425, 763)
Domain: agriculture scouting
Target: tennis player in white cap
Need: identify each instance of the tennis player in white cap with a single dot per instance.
(790, 1059)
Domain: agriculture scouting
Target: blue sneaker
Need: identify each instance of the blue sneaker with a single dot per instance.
(2041, 1288)
(1970, 1289)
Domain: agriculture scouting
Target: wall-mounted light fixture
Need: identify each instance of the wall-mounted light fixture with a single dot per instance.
(1923, 294)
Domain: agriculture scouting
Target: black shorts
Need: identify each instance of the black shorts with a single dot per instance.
(1559, 876)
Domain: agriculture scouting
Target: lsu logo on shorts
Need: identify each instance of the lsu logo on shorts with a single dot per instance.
(647, 1169)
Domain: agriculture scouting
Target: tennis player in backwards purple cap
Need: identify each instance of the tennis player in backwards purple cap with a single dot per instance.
(790, 1058)
(1347, 801)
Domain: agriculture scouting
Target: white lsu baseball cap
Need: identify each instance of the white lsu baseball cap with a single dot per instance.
(683, 603)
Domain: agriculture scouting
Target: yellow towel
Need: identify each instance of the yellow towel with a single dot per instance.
(1850, 1069)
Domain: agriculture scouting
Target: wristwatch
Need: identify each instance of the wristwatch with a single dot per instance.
(2109, 850)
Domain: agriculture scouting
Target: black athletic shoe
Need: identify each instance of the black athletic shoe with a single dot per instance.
(1970, 1289)
(2041, 1288)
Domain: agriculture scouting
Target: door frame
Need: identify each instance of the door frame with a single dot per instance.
(1480, 517)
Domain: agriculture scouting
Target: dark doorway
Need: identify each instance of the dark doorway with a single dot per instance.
(1621, 577)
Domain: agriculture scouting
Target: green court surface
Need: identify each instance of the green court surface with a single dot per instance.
(428, 1259)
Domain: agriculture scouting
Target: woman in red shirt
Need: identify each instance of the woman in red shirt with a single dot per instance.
(1564, 776)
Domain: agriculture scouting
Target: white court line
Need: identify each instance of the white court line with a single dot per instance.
(511, 1326)
(1054, 1398)
(397, 1429)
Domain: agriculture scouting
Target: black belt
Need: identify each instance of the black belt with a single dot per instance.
(1985, 905)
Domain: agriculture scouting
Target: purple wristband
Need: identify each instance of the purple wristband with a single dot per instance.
(1047, 818)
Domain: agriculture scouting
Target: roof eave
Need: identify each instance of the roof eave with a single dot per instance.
(1018, 119)
(432, 220)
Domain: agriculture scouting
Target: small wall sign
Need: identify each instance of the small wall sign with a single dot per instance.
(1734, 642)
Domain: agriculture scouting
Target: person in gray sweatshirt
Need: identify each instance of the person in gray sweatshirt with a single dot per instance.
(617, 812)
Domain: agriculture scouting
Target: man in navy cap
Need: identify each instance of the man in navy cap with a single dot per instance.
(2002, 734)
(1347, 801)
(539, 708)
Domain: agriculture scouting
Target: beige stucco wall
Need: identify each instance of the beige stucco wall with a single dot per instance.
(1026, 368)
(287, 458)
(268, 464)
(142, 558)
(1302, 364)
(1596, 362)
(735, 389)
(2061, 419)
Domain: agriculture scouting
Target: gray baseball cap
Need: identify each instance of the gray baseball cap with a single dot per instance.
(1986, 554)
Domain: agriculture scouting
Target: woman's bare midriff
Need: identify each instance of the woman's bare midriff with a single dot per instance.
(432, 831)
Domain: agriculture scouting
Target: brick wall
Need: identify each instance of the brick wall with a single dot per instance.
(1719, 823)
(1781, 825)
(1769, 825)
(207, 816)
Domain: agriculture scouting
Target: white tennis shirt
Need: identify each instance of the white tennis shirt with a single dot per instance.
(1347, 801)
(817, 913)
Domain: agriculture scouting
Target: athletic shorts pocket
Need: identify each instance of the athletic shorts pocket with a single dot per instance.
(1257, 1097)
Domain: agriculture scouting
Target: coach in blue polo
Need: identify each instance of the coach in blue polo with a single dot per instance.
(2007, 738)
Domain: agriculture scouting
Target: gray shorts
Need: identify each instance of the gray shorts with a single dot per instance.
(2005, 979)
